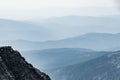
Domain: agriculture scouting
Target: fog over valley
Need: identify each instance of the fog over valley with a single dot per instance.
(60, 40)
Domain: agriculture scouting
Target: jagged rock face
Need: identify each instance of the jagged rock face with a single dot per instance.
(14, 67)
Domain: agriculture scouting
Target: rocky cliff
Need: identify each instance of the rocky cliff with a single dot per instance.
(14, 67)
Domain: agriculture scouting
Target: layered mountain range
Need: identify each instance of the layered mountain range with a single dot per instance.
(60, 57)
(63, 32)
(94, 41)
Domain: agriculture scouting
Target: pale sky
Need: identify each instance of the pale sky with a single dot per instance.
(118, 3)
(28, 9)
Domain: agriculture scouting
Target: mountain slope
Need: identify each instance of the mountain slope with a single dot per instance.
(106, 67)
(56, 58)
(14, 67)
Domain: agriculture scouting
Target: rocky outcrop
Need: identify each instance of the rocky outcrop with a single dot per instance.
(14, 67)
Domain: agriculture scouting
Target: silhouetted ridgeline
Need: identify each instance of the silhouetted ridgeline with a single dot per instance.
(14, 67)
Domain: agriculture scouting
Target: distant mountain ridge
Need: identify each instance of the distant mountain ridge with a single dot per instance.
(69, 26)
(58, 28)
(94, 41)
(22, 30)
(31, 35)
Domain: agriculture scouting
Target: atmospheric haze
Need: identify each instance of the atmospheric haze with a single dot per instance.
(28, 9)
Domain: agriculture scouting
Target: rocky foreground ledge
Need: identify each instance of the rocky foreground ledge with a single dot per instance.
(14, 67)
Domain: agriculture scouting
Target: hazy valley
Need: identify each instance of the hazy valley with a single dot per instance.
(71, 55)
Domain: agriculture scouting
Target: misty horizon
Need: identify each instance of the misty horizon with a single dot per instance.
(66, 39)
(29, 9)
(57, 28)
(55, 20)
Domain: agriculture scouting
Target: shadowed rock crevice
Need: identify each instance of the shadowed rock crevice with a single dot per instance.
(14, 67)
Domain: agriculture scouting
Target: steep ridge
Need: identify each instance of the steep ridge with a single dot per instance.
(14, 67)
